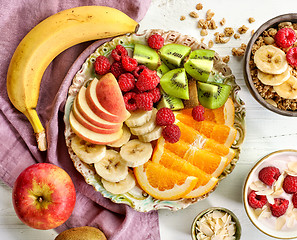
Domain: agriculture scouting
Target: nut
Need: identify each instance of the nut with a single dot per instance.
(269, 40)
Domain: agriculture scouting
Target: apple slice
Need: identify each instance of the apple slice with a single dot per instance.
(84, 109)
(110, 96)
(90, 136)
(91, 126)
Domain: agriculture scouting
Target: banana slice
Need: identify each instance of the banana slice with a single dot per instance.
(288, 89)
(147, 127)
(151, 136)
(138, 118)
(120, 187)
(270, 59)
(274, 79)
(87, 152)
(136, 153)
(124, 139)
(112, 167)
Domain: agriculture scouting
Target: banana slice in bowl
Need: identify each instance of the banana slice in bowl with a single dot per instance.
(274, 79)
(288, 89)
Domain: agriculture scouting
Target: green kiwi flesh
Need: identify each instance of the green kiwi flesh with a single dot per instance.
(146, 56)
(213, 95)
(162, 69)
(173, 54)
(200, 64)
(171, 102)
(175, 83)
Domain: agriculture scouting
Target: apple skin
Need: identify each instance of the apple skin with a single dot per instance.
(43, 196)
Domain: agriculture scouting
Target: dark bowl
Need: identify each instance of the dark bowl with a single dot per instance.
(290, 17)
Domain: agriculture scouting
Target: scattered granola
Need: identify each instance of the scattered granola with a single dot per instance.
(229, 31)
(251, 20)
(209, 15)
(210, 43)
(221, 38)
(193, 14)
(202, 24)
(203, 32)
(199, 6)
(226, 59)
(212, 25)
(243, 29)
(182, 18)
(239, 51)
(236, 36)
(223, 22)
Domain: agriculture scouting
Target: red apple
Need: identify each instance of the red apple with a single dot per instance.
(43, 196)
(91, 136)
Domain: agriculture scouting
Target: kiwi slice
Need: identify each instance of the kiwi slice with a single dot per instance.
(162, 69)
(213, 95)
(175, 83)
(200, 64)
(173, 54)
(171, 102)
(146, 56)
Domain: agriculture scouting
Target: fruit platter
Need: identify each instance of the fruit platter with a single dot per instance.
(154, 120)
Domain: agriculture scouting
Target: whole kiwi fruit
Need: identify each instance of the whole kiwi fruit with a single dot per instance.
(81, 233)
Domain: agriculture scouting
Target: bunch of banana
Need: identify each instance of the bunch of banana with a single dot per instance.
(49, 38)
(274, 70)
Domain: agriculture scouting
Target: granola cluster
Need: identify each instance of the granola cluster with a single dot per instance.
(265, 91)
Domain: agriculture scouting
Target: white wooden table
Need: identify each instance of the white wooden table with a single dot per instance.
(265, 131)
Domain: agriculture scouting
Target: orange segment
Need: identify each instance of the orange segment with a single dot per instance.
(221, 133)
(163, 183)
(223, 115)
(169, 160)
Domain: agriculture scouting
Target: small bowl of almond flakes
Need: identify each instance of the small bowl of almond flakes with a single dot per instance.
(270, 65)
(216, 223)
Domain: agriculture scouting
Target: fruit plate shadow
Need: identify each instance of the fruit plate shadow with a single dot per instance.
(137, 198)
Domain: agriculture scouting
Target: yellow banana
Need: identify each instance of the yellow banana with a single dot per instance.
(49, 38)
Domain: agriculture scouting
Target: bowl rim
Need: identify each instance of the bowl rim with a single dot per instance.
(203, 212)
(245, 189)
(247, 74)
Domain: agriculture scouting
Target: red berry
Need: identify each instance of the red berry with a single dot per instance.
(126, 82)
(294, 200)
(256, 201)
(130, 102)
(269, 175)
(147, 80)
(102, 65)
(279, 207)
(156, 94)
(198, 113)
(155, 41)
(290, 184)
(119, 52)
(165, 117)
(129, 64)
(117, 69)
(285, 37)
(292, 56)
(144, 101)
(138, 70)
(171, 133)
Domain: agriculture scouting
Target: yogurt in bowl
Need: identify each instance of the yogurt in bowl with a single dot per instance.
(267, 186)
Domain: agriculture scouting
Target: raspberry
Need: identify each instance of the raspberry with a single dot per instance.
(102, 65)
(279, 207)
(256, 201)
(171, 133)
(155, 41)
(294, 200)
(129, 64)
(117, 69)
(285, 37)
(147, 80)
(290, 184)
(292, 56)
(119, 52)
(156, 94)
(269, 175)
(165, 117)
(126, 82)
(144, 101)
(138, 70)
(130, 102)
(198, 113)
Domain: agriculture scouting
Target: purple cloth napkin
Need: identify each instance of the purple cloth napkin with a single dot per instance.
(18, 148)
